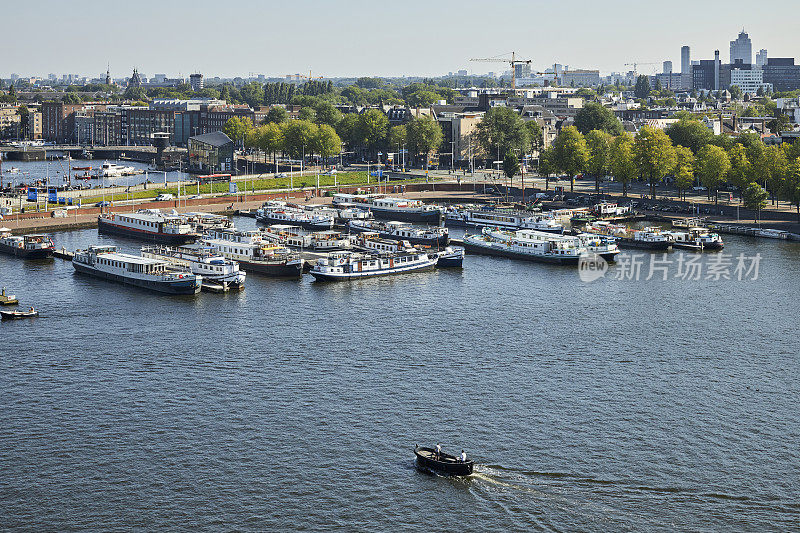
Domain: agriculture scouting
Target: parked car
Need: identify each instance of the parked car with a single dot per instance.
(164, 197)
(280, 175)
(102, 204)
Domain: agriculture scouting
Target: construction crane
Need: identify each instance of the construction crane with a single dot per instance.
(513, 61)
(636, 64)
(307, 78)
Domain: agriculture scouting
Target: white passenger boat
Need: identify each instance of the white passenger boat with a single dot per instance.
(112, 170)
(503, 218)
(203, 260)
(346, 266)
(254, 254)
(531, 245)
(277, 212)
(386, 207)
(150, 225)
(154, 274)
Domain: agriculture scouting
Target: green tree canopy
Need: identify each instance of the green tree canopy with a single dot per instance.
(500, 131)
(597, 165)
(326, 142)
(712, 166)
(327, 114)
(594, 116)
(689, 132)
(237, 129)
(684, 168)
(510, 165)
(571, 153)
(755, 197)
(397, 136)
(372, 129)
(277, 114)
(299, 137)
(621, 161)
(535, 137)
(424, 136)
(740, 172)
(654, 155)
(642, 89)
(308, 114)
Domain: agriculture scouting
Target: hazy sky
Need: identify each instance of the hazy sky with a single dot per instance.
(359, 37)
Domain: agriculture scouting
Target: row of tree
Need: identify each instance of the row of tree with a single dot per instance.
(651, 156)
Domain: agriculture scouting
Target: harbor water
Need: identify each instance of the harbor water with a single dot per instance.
(619, 404)
(56, 173)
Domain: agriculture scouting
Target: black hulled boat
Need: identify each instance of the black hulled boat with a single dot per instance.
(442, 463)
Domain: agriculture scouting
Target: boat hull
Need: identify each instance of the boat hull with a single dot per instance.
(438, 242)
(275, 269)
(430, 217)
(350, 276)
(449, 466)
(17, 315)
(480, 250)
(713, 247)
(161, 238)
(266, 219)
(190, 286)
(38, 253)
(643, 245)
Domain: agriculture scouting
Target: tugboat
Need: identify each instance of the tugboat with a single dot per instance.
(435, 237)
(450, 257)
(8, 299)
(431, 460)
(26, 246)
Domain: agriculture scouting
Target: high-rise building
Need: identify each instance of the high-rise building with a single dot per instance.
(716, 70)
(742, 49)
(196, 81)
(761, 57)
(686, 67)
(522, 70)
(667, 67)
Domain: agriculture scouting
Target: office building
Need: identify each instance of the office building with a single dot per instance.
(742, 49)
(749, 80)
(196, 81)
(782, 73)
(686, 67)
(211, 152)
(580, 78)
(761, 57)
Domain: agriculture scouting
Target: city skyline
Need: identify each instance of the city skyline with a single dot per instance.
(422, 40)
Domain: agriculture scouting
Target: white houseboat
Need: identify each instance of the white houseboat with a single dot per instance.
(203, 260)
(149, 225)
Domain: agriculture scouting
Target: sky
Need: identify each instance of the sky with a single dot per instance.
(361, 38)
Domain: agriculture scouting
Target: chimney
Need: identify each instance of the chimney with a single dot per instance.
(716, 70)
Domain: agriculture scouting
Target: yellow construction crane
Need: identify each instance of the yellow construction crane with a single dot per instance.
(513, 61)
(309, 77)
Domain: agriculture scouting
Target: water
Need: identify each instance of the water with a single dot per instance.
(54, 173)
(612, 405)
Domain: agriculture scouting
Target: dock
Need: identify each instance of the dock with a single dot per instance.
(63, 253)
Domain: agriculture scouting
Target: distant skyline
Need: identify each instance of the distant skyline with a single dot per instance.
(359, 38)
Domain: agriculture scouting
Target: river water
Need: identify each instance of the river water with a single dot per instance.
(615, 404)
(56, 173)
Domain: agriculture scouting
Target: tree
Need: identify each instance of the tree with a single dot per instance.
(712, 166)
(252, 93)
(689, 132)
(755, 198)
(501, 130)
(736, 92)
(570, 152)
(299, 138)
(594, 116)
(424, 136)
(271, 139)
(599, 144)
(370, 83)
(422, 99)
(327, 114)
(510, 165)
(348, 130)
(740, 173)
(621, 161)
(684, 169)
(277, 114)
(791, 186)
(547, 165)
(642, 89)
(777, 167)
(326, 142)
(654, 155)
(372, 128)
(237, 129)
(535, 137)
(397, 136)
(307, 113)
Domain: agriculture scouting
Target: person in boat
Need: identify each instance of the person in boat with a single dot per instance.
(463, 456)
(438, 450)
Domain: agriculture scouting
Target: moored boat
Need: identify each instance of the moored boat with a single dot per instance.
(149, 225)
(26, 246)
(646, 238)
(442, 463)
(154, 274)
(8, 299)
(202, 260)
(696, 239)
(527, 245)
(347, 266)
(503, 218)
(16, 315)
(254, 254)
(385, 207)
(450, 257)
(435, 237)
(276, 212)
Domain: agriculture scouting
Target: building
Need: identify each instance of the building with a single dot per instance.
(742, 49)
(667, 67)
(761, 57)
(135, 80)
(749, 80)
(458, 129)
(782, 73)
(686, 67)
(211, 152)
(196, 81)
(58, 119)
(522, 70)
(9, 122)
(34, 125)
(580, 78)
(711, 74)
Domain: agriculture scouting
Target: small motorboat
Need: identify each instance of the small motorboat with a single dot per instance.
(15, 315)
(442, 463)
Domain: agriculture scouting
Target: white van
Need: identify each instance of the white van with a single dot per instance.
(164, 197)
